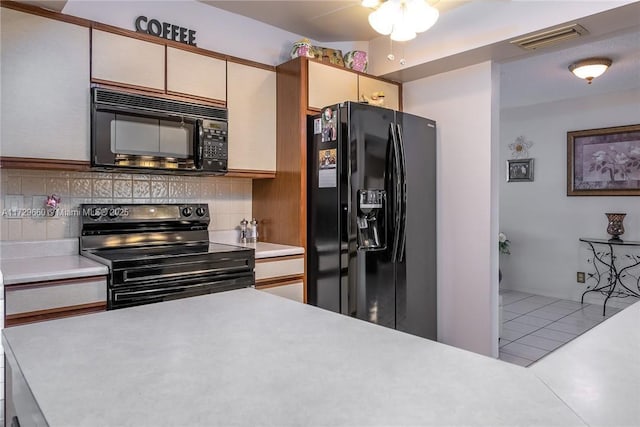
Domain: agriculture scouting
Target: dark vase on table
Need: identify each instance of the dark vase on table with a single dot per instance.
(615, 227)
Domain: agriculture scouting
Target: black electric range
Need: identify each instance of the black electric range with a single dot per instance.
(159, 252)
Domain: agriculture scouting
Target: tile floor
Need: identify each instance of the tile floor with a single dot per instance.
(534, 326)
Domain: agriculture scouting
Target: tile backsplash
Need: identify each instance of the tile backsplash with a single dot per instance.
(24, 192)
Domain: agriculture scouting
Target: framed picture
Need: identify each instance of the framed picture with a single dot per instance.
(604, 162)
(520, 170)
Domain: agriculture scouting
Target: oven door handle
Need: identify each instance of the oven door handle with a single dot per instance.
(174, 291)
(181, 274)
(155, 291)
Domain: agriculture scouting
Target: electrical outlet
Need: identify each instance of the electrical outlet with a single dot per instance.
(580, 277)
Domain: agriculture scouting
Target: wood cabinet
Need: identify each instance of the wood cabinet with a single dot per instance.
(132, 62)
(330, 85)
(196, 75)
(126, 60)
(367, 86)
(281, 276)
(251, 101)
(32, 302)
(45, 87)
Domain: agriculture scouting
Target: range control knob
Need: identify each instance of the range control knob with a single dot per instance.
(187, 211)
(200, 211)
(95, 213)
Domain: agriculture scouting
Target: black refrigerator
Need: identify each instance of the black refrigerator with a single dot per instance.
(372, 216)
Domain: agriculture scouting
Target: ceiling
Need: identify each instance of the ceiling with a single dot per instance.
(526, 77)
(545, 77)
(323, 21)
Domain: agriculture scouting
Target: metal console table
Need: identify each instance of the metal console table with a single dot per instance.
(613, 278)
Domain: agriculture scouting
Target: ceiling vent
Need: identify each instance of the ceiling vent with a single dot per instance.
(551, 37)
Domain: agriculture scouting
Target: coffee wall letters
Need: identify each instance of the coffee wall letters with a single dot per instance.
(165, 30)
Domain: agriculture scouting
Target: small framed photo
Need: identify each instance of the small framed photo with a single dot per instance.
(520, 170)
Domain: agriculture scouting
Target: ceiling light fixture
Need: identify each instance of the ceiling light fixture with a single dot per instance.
(590, 68)
(401, 19)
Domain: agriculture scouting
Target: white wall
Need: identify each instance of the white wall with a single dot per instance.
(542, 222)
(216, 29)
(464, 103)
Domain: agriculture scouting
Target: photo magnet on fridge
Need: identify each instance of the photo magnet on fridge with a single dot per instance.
(329, 129)
(327, 168)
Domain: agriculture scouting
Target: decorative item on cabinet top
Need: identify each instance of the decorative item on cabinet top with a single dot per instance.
(377, 98)
(356, 60)
(304, 48)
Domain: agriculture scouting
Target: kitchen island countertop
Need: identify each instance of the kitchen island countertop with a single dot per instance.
(598, 373)
(245, 357)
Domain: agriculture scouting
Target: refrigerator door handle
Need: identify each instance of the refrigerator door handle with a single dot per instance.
(397, 209)
(403, 196)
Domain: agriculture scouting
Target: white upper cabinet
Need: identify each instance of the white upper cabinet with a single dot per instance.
(368, 86)
(127, 60)
(45, 87)
(330, 85)
(251, 100)
(192, 74)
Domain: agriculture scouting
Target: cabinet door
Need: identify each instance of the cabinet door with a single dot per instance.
(197, 75)
(293, 291)
(367, 86)
(329, 85)
(270, 268)
(126, 60)
(45, 87)
(251, 100)
(31, 302)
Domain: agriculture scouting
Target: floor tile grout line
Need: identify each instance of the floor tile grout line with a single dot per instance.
(547, 352)
(540, 348)
(522, 357)
(515, 355)
(530, 333)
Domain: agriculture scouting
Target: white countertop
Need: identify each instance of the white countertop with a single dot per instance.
(271, 250)
(37, 269)
(263, 249)
(249, 358)
(31, 261)
(598, 373)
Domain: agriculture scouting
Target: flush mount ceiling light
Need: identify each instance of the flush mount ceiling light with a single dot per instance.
(401, 19)
(590, 68)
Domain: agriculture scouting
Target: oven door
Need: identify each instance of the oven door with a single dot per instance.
(154, 280)
(124, 296)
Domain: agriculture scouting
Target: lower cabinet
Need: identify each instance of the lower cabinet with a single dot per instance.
(291, 290)
(33, 302)
(282, 276)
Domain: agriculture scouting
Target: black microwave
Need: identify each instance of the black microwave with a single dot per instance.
(135, 131)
